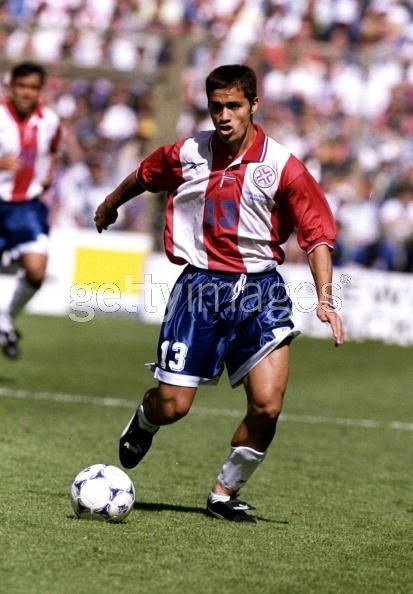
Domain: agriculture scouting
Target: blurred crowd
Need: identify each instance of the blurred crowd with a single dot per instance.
(336, 82)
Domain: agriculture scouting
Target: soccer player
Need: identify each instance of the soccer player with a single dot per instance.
(29, 138)
(234, 196)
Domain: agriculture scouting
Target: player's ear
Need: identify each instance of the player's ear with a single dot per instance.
(254, 105)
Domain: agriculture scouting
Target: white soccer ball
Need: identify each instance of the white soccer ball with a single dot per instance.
(102, 492)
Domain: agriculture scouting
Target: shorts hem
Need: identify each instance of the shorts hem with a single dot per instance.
(40, 245)
(179, 379)
(281, 334)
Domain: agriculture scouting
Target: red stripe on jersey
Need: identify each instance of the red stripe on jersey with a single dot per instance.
(27, 156)
(221, 213)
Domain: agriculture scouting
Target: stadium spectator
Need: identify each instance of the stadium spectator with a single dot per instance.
(396, 216)
(84, 183)
(337, 76)
(234, 196)
(361, 238)
(29, 139)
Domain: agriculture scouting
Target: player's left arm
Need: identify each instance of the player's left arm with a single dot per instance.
(321, 267)
(49, 177)
(53, 159)
(316, 233)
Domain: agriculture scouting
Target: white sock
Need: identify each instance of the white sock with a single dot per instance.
(239, 466)
(22, 295)
(213, 497)
(143, 421)
(6, 323)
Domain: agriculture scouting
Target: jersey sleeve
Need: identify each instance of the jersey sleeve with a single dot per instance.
(161, 170)
(308, 206)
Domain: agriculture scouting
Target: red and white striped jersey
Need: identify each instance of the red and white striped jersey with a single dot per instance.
(33, 140)
(234, 215)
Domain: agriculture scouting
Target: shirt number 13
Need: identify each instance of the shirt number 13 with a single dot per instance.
(224, 212)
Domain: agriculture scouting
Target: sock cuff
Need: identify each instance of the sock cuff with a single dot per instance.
(214, 497)
(248, 454)
(240, 464)
(143, 421)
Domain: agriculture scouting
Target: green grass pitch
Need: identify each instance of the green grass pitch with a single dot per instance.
(334, 497)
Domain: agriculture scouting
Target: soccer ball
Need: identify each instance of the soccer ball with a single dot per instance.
(102, 492)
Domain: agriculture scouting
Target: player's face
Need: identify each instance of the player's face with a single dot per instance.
(231, 114)
(25, 93)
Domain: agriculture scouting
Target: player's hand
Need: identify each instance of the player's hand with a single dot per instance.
(47, 181)
(10, 163)
(327, 314)
(105, 215)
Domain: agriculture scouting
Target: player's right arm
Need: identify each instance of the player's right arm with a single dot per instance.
(159, 171)
(107, 211)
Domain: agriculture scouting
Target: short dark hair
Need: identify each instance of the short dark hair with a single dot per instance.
(233, 75)
(27, 68)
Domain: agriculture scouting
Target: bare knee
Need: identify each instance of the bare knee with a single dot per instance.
(265, 386)
(166, 405)
(268, 411)
(267, 406)
(173, 409)
(35, 269)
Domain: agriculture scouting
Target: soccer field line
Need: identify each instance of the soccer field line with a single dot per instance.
(110, 402)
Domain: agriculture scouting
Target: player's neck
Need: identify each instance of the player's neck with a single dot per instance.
(22, 115)
(240, 147)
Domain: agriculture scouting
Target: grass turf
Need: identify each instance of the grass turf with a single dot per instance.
(334, 500)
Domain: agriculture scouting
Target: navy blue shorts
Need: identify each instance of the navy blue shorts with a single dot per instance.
(22, 222)
(214, 320)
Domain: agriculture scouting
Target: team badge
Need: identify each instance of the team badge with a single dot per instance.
(264, 176)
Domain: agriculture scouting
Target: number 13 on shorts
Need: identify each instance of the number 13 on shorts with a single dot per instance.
(178, 352)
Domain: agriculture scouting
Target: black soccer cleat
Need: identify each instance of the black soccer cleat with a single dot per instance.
(232, 510)
(9, 343)
(134, 443)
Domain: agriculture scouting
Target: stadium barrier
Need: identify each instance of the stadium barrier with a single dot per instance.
(117, 273)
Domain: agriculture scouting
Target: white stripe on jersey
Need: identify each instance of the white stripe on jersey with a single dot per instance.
(254, 228)
(188, 212)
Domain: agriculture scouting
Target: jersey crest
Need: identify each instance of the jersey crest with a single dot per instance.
(264, 176)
